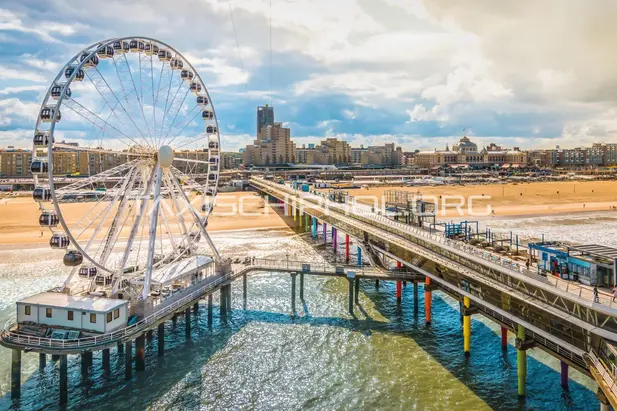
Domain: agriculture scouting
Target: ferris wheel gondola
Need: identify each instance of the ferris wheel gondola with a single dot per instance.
(144, 192)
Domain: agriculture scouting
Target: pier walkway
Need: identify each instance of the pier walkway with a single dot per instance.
(558, 316)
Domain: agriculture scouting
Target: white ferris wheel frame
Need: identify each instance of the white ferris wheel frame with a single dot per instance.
(77, 65)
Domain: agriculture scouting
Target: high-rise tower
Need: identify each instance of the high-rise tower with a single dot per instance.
(265, 116)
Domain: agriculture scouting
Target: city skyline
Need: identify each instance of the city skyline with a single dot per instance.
(422, 72)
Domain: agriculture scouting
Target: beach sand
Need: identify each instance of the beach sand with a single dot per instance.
(19, 216)
(522, 199)
(19, 227)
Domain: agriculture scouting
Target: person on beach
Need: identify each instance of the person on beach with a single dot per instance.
(527, 264)
(596, 296)
(614, 293)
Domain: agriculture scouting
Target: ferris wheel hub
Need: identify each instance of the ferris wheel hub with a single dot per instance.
(166, 156)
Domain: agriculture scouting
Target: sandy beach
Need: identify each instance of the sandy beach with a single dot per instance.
(19, 227)
(522, 199)
(19, 218)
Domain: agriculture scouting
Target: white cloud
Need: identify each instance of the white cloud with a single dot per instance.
(8, 73)
(20, 89)
(420, 113)
(14, 108)
(10, 21)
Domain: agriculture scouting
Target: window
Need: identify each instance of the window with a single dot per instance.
(108, 317)
(48, 312)
(116, 313)
(27, 310)
(93, 318)
(70, 315)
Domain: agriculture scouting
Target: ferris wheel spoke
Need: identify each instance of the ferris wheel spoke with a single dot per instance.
(174, 106)
(97, 178)
(85, 222)
(125, 78)
(182, 121)
(138, 96)
(101, 150)
(93, 118)
(116, 223)
(94, 235)
(179, 212)
(129, 245)
(103, 88)
(169, 88)
(171, 124)
(196, 218)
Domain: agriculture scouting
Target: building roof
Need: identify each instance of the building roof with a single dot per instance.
(595, 250)
(176, 270)
(77, 302)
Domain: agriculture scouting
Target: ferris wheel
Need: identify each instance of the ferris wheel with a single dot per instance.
(126, 160)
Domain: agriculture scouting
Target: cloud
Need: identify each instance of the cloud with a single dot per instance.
(420, 113)
(8, 73)
(10, 21)
(13, 108)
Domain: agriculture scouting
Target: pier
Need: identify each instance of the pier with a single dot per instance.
(554, 315)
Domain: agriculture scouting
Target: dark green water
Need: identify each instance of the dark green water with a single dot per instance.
(322, 358)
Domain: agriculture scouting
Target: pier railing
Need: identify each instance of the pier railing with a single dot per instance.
(607, 378)
(320, 267)
(356, 211)
(116, 336)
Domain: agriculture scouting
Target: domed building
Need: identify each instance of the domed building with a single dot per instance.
(465, 145)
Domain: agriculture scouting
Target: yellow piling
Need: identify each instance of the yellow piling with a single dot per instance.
(466, 328)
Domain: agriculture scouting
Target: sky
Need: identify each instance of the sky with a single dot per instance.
(419, 73)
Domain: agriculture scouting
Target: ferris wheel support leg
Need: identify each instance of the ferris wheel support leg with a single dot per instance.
(152, 233)
(204, 233)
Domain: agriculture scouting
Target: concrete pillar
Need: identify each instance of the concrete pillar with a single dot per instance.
(160, 336)
(55, 357)
(293, 293)
(307, 222)
(466, 328)
(504, 338)
(314, 233)
(120, 348)
(376, 283)
(301, 286)
(359, 257)
(128, 360)
(140, 353)
(105, 359)
(334, 238)
(42, 361)
(347, 248)
(399, 284)
(293, 211)
(325, 233)
(357, 290)
(64, 379)
(245, 286)
(196, 307)
(415, 299)
(350, 307)
(521, 362)
(564, 375)
(149, 335)
(16, 374)
(605, 406)
(223, 303)
(209, 310)
(428, 296)
(86, 362)
(187, 323)
(174, 320)
(228, 298)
